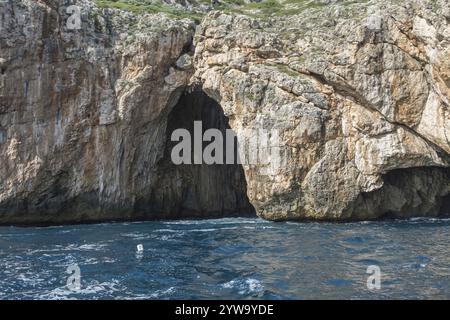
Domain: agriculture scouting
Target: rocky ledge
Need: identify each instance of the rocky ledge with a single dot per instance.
(358, 92)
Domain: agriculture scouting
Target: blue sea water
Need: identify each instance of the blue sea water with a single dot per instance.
(228, 259)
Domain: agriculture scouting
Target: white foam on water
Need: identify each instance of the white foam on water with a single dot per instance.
(136, 235)
(162, 293)
(158, 294)
(91, 247)
(259, 227)
(30, 278)
(245, 286)
(64, 293)
(93, 261)
(229, 228)
(170, 230)
(219, 221)
(71, 247)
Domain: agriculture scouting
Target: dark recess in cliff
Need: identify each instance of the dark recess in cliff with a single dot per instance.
(409, 192)
(197, 190)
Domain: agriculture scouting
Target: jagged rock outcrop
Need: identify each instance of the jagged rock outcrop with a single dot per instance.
(359, 95)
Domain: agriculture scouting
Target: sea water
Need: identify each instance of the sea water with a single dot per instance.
(227, 259)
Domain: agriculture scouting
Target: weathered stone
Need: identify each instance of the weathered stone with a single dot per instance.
(376, 104)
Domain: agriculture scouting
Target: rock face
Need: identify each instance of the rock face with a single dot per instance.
(84, 111)
(358, 95)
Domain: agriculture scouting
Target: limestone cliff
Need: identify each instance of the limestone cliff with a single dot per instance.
(359, 93)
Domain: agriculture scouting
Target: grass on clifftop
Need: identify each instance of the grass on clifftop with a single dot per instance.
(146, 6)
(263, 8)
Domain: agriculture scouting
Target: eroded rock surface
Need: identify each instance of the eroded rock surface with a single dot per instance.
(359, 94)
(84, 111)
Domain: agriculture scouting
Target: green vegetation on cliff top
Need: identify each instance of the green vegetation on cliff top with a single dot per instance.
(148, 6)
(197, 8)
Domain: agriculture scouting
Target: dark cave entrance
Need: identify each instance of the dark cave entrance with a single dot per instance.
(406, 193)
(199, 190)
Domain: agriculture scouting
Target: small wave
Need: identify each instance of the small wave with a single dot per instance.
(249, 286)
(90, 247)
(212, 229)
(165, 238)
(169, 230)
(221, 228)
(366, 222)
(259, 227)
(162, 293)
(181, 232)
(425, 219)
(158, 294)
(64, 293)
(71, 247)
(136, 235)
(219, 221)
(30, 278)
(94, 261)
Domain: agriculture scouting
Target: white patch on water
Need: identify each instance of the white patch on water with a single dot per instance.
(158, 294)
(67, 231)
(212, 229)
(162, 293)
(90, 247)
(249, 286)
(182, 232)
(30, 278)
(425, 219)
(136, 235)
(259, 227)
(71, 247)
(168, 234)
(93, 261)
(365, 222)
(170, 230)
(64, 293)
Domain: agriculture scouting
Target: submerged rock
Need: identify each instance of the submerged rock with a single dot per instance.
(358, 95)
